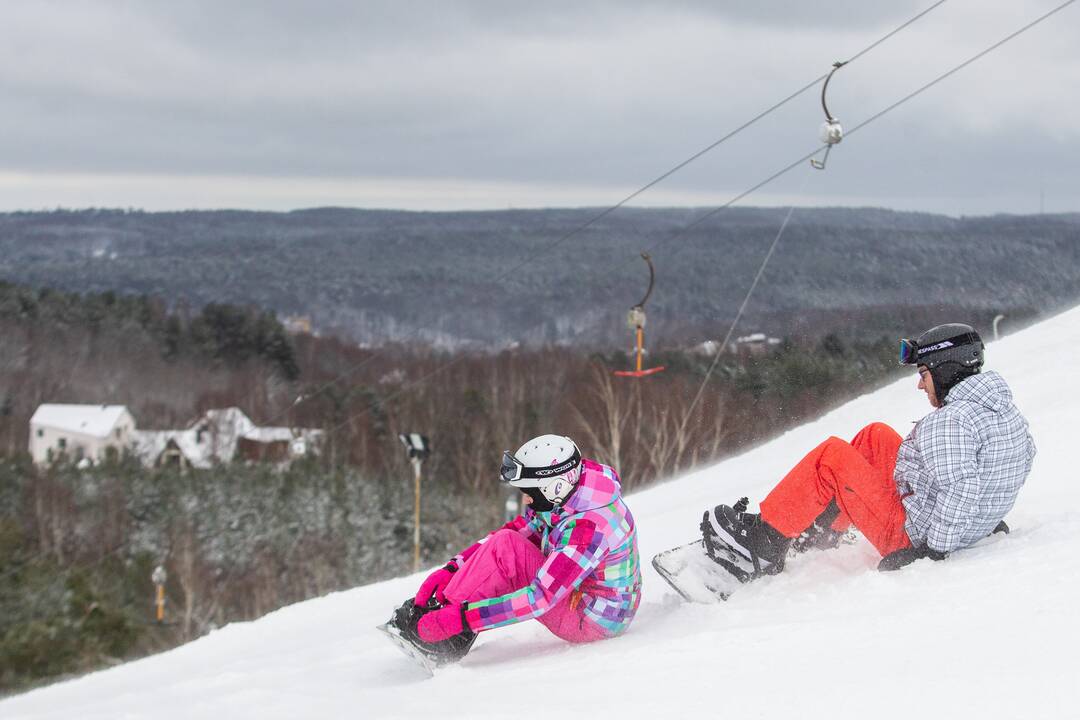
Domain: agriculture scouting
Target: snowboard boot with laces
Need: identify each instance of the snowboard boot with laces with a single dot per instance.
(747, 534)
(404, 621)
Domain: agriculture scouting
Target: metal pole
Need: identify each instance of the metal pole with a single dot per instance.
(416, 519)
(158, 577)
(997, 319)
(640, 342)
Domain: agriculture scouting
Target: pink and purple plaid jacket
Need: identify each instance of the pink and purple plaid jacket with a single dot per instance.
(592, 559)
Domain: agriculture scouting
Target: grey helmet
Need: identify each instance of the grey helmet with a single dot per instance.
(952, 352)
(952, 342)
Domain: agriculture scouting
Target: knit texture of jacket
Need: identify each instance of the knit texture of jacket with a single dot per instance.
(960, 469)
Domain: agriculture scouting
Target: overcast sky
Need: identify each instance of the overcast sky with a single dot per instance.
(494, 104)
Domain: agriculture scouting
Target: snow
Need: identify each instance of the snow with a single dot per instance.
(989, 633)
(93, 420)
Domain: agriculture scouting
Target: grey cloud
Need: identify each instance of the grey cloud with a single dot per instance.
(603, 94)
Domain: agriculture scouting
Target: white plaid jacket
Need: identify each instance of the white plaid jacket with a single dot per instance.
(960, 469)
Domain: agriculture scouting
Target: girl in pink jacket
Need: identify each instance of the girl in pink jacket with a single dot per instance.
(570, 561)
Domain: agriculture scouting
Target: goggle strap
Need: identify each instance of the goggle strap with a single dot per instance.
(541, 473)
(911, 352)
(965, 339)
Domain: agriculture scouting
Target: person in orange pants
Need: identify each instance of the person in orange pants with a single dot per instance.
(945, 486)
(857, 477)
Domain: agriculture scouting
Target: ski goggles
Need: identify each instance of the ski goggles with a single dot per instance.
(911, 353)
(514, 472)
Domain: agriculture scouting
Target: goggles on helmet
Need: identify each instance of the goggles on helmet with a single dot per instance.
(909, 351)
(912, 354)
(511, 467)
(514, 472)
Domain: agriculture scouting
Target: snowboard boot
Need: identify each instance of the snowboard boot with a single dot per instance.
(747, 534)
(821, 535)
(405, 619)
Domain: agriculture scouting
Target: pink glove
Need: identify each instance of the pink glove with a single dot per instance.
(435, 584)
(442, 623)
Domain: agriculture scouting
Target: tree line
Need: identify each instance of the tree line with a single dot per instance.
(379, 276)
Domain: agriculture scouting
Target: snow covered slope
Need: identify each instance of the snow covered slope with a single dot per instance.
(990, 633)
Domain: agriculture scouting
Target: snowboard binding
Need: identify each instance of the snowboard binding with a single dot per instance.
(743, 562)
(403, 624)
(821, 535)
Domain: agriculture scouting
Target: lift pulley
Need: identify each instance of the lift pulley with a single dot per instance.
(831, 131)
(636, 321)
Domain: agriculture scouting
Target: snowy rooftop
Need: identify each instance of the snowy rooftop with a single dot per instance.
(280, 434)
(989, 633)
(93, 420)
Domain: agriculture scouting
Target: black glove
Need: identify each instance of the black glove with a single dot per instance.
(900, 558)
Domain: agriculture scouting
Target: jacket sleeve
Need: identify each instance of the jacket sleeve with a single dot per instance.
(579, 553)
(951, 457)
(527, 525)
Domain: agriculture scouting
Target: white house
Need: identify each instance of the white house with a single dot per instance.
(756, 344)
(222, 436)
(210, 439)
(278, 444)
(80, 431)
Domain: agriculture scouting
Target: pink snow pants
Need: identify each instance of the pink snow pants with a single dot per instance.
(506, 562)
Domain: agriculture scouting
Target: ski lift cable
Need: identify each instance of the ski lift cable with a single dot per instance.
(876, 116)
(742, 309)
(783, 171)
(400, 391)
(712, 146)
(652, 183)
(864, 123)
(961, 66)
(319, 390)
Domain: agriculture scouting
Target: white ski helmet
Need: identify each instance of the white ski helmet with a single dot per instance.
(546, 468)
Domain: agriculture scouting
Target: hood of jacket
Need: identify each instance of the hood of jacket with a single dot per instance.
(987, 389)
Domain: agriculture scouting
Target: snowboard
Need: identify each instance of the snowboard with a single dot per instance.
(391, 631)
(697, 577)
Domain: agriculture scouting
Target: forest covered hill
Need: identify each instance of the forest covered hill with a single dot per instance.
(485, 279)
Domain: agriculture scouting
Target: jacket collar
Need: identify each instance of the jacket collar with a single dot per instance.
(597, 487)
(988, 389)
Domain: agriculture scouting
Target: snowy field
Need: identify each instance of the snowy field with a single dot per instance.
(993, 632)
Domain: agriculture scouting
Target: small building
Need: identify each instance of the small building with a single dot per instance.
(163, 448)
(209, 440)
(223, 436)
(81, 432)
(755, 345)
(709, 348)
(297, 324)
(217, 432)
(278, 444)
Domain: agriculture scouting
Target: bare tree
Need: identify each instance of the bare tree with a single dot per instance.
(617, 407)
(185, 565)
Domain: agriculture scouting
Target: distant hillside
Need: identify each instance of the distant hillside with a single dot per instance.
(452, 278)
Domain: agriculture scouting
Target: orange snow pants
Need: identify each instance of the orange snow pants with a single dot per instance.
(858, 476)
